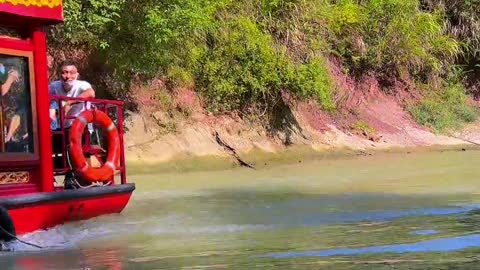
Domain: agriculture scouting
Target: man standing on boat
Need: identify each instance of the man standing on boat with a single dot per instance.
(68, 86)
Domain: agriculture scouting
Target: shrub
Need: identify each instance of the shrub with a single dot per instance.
(445, 109)
(312, 79)
(390, 36)
(86, 21)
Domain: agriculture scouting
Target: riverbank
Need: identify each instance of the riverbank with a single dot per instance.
(228, 142)
(196, 146)
(175, 131)
(259, 159)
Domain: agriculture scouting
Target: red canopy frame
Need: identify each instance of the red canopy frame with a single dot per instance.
(39, 166)
(28, 16)
(31, 12)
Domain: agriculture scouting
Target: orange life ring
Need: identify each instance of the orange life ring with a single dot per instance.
(80, 164)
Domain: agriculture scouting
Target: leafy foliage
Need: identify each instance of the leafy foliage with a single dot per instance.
(239, 54)
(231, 59)
(390, 36)
(86, 20)
(463, 23)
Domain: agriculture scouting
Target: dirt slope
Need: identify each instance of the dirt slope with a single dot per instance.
(170, 127)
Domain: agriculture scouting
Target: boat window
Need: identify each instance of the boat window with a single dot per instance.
(16, 133)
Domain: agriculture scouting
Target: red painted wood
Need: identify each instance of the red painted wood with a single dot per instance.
(16, 165)
(16, 44)
(18, 189)
(43, 216)
(33, 166)
(43, 118)
(44, 14)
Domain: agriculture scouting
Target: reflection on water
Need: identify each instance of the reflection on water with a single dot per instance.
(293, 214)
(66, 259)
(424, 232)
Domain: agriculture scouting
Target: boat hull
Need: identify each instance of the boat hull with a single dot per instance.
(44, 210)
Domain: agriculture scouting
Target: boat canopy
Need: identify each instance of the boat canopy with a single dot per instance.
(31, 12)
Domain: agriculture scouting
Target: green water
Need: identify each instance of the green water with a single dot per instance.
(390, 211)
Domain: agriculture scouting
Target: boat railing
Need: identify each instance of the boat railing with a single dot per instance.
(113, 108)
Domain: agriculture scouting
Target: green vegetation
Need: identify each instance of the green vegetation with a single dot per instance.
(463, 23)
(444, 109)
(364, 128)
(247, 53)
(390, 36)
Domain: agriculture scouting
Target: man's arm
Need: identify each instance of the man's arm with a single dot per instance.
(88, 93)
(87, 90)
(51, 90)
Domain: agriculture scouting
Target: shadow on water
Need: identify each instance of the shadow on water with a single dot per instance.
(290, 209)
(436, 245)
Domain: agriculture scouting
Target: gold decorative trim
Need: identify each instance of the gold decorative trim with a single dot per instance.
(14, 177)
(36, 3)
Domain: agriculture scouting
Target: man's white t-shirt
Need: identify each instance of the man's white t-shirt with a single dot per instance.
(56, 89)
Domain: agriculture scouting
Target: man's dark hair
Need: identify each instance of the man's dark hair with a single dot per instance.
(69, 62)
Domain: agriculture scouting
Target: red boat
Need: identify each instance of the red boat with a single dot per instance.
(30, 198)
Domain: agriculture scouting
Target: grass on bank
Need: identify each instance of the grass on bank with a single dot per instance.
(445, 109)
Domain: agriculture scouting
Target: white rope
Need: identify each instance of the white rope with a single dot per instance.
(93, 184)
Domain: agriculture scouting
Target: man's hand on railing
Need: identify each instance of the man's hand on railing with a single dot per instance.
(67, 104)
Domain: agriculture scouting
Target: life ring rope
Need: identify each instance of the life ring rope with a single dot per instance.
(80, 165)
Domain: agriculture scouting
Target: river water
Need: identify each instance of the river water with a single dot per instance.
(388, 211)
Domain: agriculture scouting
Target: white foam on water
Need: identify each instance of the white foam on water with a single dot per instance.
(168, 194)
(64, 237)
(227, 228)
